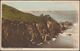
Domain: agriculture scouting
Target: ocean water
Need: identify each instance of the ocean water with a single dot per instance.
(64, 40)
(59, 16)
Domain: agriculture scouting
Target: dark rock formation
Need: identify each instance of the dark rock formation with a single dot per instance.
(26, 30)
(25, 34)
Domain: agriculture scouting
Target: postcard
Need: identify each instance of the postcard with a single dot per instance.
(39, 25)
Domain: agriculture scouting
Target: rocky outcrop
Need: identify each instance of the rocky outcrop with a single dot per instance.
(27, 30)
(24, 34)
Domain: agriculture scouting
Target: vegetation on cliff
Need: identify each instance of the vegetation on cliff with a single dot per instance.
(21, 29)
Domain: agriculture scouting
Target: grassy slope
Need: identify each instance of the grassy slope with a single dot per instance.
(11, 13)
(14, 14)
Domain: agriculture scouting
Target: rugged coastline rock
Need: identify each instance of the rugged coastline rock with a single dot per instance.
(26, 30)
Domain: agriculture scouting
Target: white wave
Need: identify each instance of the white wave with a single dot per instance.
(64, 40)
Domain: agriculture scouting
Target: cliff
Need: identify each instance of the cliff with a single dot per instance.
(21, 29)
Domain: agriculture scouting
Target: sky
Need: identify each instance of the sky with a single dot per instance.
(56, 5)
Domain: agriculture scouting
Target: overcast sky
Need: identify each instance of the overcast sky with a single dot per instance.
(56, 5)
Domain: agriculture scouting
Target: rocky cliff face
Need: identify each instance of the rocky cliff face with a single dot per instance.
(19, 33)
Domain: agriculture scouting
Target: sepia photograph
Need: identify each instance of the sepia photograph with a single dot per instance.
(40, 25)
